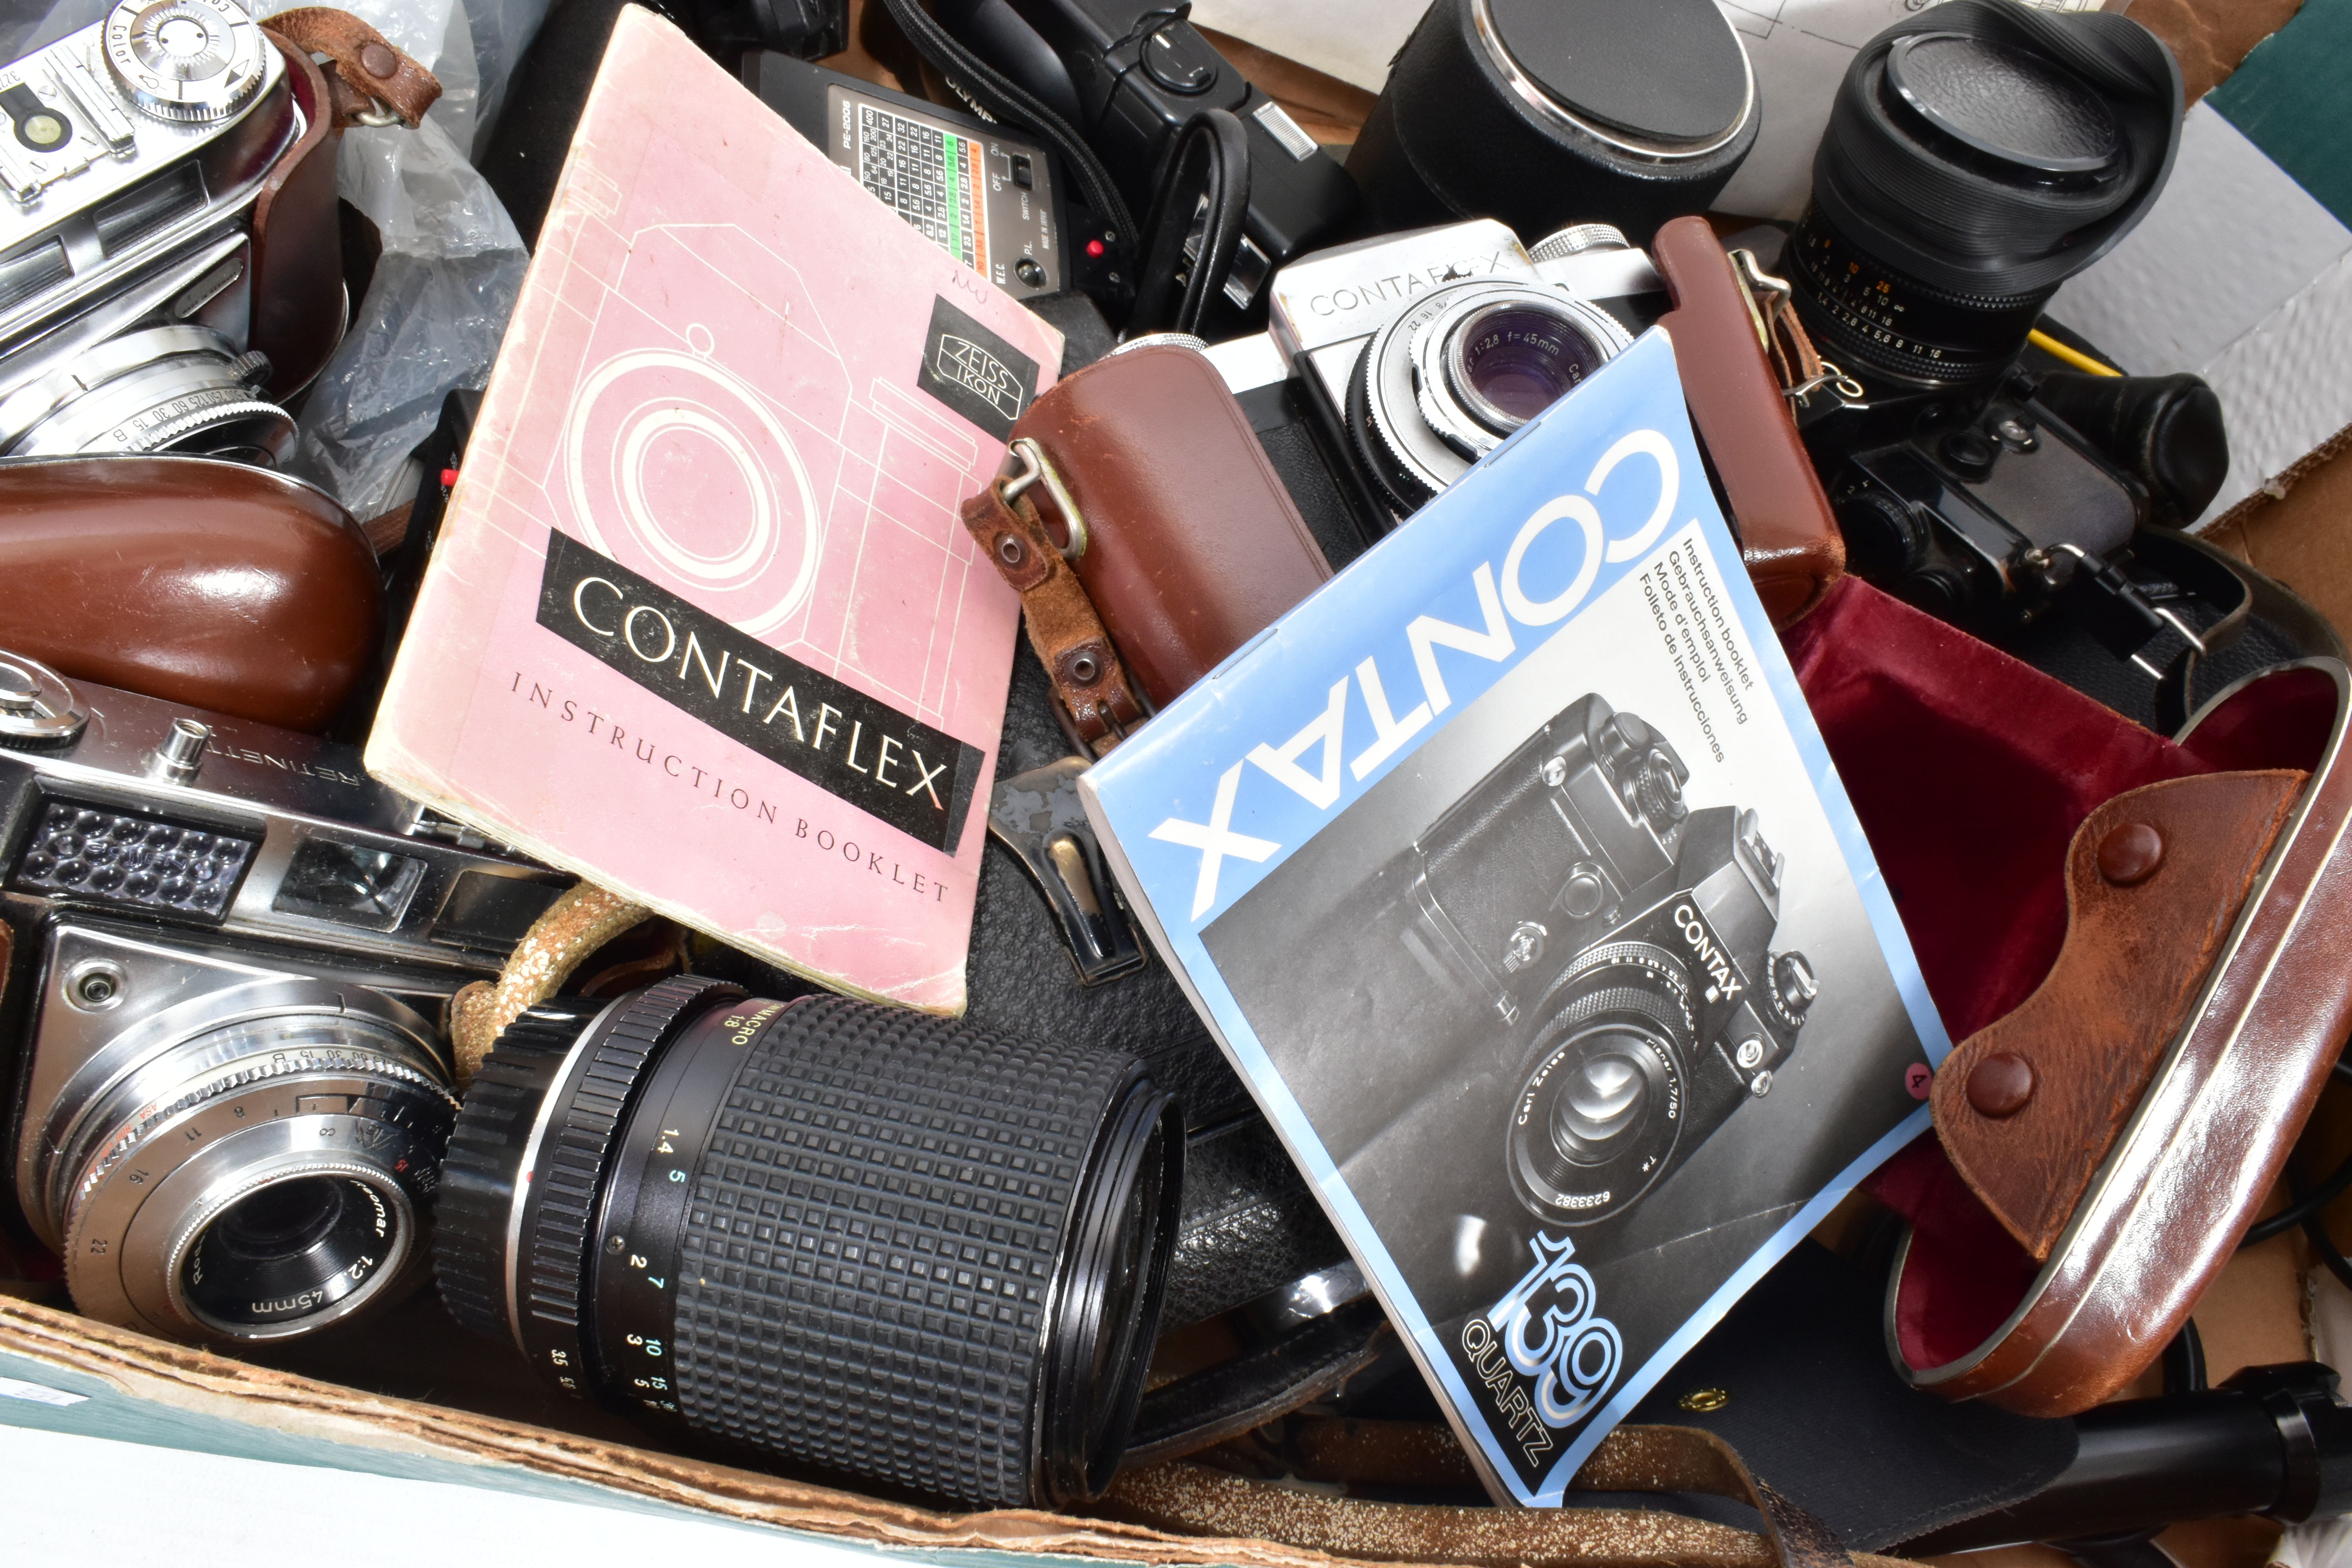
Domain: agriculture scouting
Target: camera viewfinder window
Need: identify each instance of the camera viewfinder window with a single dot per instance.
(346, 883)
(490, 912)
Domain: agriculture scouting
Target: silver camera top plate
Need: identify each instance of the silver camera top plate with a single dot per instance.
(120, 141)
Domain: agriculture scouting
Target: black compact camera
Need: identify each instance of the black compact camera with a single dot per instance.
(230, 949)
(1624, 942)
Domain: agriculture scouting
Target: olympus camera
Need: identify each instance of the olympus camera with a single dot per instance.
(146, 164)
(1416, 354)
(1621, 942)
(229, 947)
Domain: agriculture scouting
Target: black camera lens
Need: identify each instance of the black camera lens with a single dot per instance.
(860, 1239)
(1604, 1096)
(287, 1250)
(1977, 156)
(1510, 363)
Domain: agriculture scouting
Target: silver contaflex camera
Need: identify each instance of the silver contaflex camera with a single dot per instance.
(1421, 352)
(229, 945)
(152, 166)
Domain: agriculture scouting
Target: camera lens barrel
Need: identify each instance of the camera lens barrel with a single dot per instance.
(252, 1166)
(1542, 113)
(1449, 379)
(860, 1239)
(1977, 156)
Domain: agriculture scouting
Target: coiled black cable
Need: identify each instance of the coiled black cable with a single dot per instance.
(1211, 154)
(1001, 96)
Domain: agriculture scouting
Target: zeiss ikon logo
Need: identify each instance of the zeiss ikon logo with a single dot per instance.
(969, 365)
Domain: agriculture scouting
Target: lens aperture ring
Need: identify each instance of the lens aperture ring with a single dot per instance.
(281, 1062)
(560, 1205)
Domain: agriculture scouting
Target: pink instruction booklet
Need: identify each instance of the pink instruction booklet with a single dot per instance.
(703, 624)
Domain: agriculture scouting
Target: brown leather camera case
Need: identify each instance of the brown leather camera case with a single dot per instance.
(1192, 546)
(188, 579)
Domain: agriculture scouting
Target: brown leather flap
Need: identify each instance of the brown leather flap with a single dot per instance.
(1787, 534)
(1192, 546)
(2028, 1107)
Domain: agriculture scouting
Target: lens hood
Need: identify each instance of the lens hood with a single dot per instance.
(1542, 112)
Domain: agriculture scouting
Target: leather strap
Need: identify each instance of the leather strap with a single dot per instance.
(1201, 1501)
(1233, 1396)
(2028, 1105)
(1093, 686)
(370, 80)
(1787, 536)
(583, 920)
(298, 295)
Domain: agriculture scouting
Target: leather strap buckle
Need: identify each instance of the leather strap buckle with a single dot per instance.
(1035, 467)
(1772, 312)
(1099, 704)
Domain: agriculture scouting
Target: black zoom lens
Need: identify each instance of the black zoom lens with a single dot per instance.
(1978, 155)
(863, 1240)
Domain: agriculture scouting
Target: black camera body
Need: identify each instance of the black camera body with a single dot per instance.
(1127, 76)
(1621, 943)
(1984, 517)
(2020, 503)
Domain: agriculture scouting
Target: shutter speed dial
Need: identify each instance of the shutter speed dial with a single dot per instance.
(188, 62)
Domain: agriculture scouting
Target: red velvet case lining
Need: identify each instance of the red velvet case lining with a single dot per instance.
(1969, 771)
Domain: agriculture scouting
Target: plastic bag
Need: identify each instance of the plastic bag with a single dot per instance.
(452, 261)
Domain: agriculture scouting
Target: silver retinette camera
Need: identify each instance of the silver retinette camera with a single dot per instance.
(225, 951)
(152, 167)
(1418, 353)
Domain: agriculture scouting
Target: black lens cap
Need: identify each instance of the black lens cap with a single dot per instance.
(2006, 102)
(1665, 71)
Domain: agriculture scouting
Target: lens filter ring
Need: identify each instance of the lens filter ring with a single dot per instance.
(1431, 396)
(1498, 357)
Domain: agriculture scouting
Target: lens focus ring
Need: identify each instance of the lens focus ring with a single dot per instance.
(902, 1190)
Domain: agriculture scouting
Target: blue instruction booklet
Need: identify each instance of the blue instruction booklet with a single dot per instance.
(1512, 874)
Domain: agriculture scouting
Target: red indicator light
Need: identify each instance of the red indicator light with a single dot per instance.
(448, 478)
(1094, 248)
